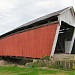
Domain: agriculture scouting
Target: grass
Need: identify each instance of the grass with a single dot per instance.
(33, 71)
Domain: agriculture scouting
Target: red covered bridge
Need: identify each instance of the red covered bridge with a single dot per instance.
(53, 33)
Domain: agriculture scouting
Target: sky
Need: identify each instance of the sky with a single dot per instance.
(14, 13)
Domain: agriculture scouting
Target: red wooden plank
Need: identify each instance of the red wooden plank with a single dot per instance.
(34, 43)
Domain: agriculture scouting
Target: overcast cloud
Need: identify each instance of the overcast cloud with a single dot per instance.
(14, 13)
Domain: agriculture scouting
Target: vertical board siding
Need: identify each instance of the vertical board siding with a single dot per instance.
(34, 43)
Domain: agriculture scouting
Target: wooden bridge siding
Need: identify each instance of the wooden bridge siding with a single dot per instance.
(34, 43)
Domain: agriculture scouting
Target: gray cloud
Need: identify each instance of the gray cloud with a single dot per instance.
(14, 13)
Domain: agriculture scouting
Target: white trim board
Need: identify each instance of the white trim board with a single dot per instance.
(72, 42)
(55, 40)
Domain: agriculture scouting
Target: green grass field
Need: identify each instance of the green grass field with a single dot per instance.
(32, 71)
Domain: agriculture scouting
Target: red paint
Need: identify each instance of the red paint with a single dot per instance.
(34, 43)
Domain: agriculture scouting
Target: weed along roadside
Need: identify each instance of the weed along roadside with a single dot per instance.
(47, 62)
(43, 66)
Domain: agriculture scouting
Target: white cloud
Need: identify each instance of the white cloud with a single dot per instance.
(7, 5)
(74, 4)
(16, 12)
(45, 3)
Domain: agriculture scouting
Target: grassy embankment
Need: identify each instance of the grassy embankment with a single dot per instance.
(33, 71)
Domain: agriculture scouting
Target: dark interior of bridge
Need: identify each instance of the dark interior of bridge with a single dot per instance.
(65, 34)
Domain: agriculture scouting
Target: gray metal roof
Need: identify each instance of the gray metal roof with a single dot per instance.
(44, 17)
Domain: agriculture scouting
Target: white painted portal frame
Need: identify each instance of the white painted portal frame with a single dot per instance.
(55, 40)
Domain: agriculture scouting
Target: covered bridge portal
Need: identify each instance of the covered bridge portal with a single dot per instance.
(53, 33)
